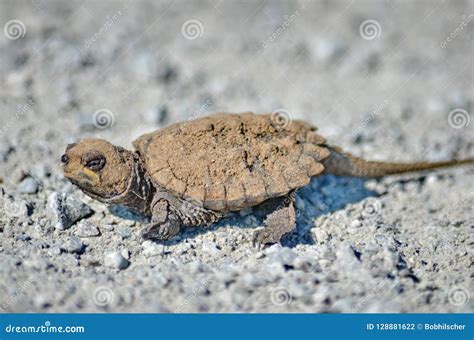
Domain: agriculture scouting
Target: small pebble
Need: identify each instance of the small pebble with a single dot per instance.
(124, 232)
(210, 248)
(5, 150)
(28, 186)
(73, 245)
(284, 256)
(65, 210)
(152, 249)
(107, 227)
(23, 237)
(115, 260)
(125, 253)
(40, 171)
(320, 235)
(14, 207)
(87, 229)
(356, 224)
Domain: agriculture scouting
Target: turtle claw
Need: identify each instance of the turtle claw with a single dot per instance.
(162, 232)
(264, 237)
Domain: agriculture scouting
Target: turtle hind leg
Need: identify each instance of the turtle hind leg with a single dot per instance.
(281, 222)
(161, 231)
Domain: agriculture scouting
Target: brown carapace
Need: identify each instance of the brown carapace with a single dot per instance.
(194, 172)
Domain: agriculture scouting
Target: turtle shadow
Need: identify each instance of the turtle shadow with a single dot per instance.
(324, 195)
(127, 214)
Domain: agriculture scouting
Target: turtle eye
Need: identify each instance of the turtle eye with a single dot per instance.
(94, 161)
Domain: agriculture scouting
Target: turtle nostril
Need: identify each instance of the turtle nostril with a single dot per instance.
(64, 158)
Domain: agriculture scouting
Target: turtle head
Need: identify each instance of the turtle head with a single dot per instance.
(99, 168)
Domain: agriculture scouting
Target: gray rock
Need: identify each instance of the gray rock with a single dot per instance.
(210, 248)
(125, 253)
(115, 260)
(87, 229)
(28, 186)
(152, 249)
(107, 227)
(284, 257)
(124, 232)
(40, 171)
(4, 151)
(65, 210)
(73, 245)
(14, 207)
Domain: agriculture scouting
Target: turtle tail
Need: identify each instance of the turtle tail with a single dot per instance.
(341, 163)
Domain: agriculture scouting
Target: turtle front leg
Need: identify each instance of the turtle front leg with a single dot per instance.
(165, 223)
(170, 214)
(281, 222)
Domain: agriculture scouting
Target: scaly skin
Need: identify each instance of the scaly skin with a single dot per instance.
(341, 163)
(114, 175)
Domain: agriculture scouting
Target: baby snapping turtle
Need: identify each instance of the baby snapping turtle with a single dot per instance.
(192, 173)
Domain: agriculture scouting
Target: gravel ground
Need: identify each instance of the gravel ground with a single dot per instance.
(397, 87)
